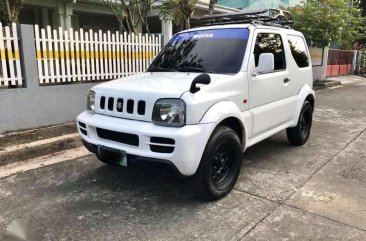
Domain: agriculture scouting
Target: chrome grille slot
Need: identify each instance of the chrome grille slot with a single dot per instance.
(141, 107)
(110, 103)
(102, 102)
(130, 104)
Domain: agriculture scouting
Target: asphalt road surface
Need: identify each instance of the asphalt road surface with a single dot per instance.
(313, 192)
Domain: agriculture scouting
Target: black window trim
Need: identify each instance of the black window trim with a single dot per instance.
(261, 31)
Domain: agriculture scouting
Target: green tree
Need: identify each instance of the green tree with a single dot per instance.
(326, 21)
(130, 14)
(10, 10)
(179, 11)
(362, 5)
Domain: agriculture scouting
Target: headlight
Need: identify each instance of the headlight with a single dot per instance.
(169, 112)
(90, 102)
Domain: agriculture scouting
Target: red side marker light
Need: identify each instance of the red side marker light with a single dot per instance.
(245, 101)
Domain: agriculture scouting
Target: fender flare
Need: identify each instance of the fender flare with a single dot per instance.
(305, 91)
(223, 110)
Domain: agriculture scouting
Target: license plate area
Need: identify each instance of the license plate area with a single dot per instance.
(112, 155)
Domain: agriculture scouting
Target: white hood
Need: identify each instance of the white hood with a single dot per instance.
(166, 84)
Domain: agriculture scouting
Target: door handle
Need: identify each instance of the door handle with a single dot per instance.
(286, 80)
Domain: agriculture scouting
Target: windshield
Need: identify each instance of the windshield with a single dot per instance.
(212, 51)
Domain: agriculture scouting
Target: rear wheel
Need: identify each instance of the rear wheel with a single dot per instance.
(220, 164)
(299, 134)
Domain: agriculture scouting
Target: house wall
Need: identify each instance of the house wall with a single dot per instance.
(41, 106)
(66, 14)
(255, 4)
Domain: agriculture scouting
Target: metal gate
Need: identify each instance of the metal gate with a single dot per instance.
(339, 62)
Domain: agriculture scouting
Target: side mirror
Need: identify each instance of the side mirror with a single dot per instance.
(200, 79)
(265, 63)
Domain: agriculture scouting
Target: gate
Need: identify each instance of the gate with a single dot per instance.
(339, 62)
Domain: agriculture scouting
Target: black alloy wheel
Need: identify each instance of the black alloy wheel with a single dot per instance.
(299, 134)
(220, 164)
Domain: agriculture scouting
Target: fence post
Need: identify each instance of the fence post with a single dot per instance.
(28, 56)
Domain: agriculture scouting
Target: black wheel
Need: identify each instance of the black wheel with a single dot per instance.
(220, 164)
(299, 134)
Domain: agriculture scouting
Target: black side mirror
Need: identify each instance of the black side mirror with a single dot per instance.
(200, 79)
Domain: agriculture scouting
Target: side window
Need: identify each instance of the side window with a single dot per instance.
(298, 50)
(270, 43)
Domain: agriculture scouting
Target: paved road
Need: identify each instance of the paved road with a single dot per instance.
(314, 192)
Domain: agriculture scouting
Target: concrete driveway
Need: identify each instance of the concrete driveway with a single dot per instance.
(313, 192)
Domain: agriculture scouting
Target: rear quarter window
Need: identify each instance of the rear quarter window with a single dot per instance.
(298, 50)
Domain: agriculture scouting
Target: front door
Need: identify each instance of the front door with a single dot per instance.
(269, 97)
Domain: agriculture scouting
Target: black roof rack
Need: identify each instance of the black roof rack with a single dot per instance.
(269, 17)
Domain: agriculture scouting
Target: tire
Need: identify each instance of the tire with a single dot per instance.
(299, 134)
(220, 165)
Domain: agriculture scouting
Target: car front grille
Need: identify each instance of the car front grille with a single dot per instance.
(122, 107)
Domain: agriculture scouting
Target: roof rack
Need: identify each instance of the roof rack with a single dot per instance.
(269, 17)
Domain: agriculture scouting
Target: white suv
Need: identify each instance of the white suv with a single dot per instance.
(211, 93)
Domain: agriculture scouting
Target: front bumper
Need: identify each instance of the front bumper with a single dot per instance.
(189, 141)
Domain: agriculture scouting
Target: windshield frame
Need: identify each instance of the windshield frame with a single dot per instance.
(242, 59)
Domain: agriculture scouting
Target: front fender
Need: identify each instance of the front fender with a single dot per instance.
(226, 109)
(305, 91)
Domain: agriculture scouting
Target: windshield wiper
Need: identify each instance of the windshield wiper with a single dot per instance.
(161, 69)
(195, 69)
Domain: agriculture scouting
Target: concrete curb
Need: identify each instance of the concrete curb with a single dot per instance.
(326, 84)
(12, 154)
(42, 161)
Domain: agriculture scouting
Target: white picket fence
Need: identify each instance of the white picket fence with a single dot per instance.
(74, 56)
(10, 72)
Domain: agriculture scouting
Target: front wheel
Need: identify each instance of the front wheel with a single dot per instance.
(220, 164)
(299, 134)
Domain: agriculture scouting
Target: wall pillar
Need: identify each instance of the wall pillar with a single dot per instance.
(354, 59)
(61, 14)
(65, 13)
(166, 30)
(325, 62)
(45, 18)
(68, 16)
(27, 52)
